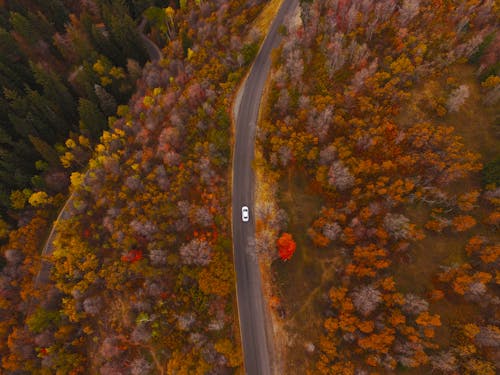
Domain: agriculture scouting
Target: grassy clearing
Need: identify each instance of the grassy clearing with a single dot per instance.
(475, 122)
(476, 125)
(303, 280)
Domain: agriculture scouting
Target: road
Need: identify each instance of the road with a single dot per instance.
(151, 48)
(254, 324)
(43, 274)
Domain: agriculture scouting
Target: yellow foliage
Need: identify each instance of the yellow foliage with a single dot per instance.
(471, 330)
(39, 198)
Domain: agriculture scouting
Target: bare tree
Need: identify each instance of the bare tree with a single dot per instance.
(140, 366)
(332, 231)
(408, 11)
(197, 252)
(110, 348)
(319, 123)
(397, 225)
(144, 228)
(327, 155)
(445, 362)
(340, 177)
(414, 305)
(488, 336)
(366, 299)
(158, 257)
(457, 98)
(203, 217)
(141, 333)
(92, 305)
(112, 368)
(335, 54)
(185, 321)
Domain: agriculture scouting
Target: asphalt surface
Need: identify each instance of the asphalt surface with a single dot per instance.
(254, 326)
(43, 275)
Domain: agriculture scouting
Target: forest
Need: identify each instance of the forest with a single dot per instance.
(64, 67)
(141, 279)
(378, 188)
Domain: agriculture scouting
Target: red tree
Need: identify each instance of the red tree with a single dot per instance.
(286, 246)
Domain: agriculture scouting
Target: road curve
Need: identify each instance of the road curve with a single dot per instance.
(256, 340)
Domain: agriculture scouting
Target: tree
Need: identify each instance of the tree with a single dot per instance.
(197, 252)
(106, 101)
(366, 299)
(286, 246)
(91, 118)
(140, 366)
(445, 362)
(39, 198)
(414, 305)
(397, 226)
(457, 98)
(339, 176)
(463, 222)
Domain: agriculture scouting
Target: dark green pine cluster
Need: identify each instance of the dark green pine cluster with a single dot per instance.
(65, 65)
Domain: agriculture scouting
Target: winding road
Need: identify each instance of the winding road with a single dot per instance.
(254, 324)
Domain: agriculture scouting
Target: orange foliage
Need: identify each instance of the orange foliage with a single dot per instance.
(348, 236)
(286, 246)
(463, 223)
(397, 318)
(436, 225)
(436, 295)
(425, 319)
(490, 254)
(467, 201)
(493, 218)
(388, 284)
(366, 326)
(367, 260)
(474, 244)
(379, 342)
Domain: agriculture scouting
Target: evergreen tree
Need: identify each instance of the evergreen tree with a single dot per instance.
(106, 101)
(91, 118)
(57, 12)
(56, 92)
(46, 151)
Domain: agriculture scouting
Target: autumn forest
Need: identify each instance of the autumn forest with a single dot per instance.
(377, 186)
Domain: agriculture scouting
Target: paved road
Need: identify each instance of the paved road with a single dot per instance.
(256, 338)
(43, 275)
(151, 48)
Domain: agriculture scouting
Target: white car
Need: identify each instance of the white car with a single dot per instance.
(245, 216)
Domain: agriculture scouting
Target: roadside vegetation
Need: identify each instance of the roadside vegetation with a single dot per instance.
(382, 126)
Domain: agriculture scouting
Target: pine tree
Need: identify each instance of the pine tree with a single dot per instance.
(91, 117)
(55, 91)
(46, 151)
(106, 101)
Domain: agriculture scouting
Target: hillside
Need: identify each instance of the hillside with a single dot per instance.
(378, 181)
(142, 279)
